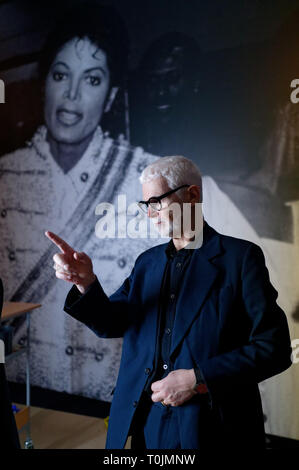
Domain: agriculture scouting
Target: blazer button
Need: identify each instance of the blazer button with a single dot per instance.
(12, 256)
(84, 176)
(99, 357)
(135, 404)
(121, 262)
(69, 350)
(147, 370)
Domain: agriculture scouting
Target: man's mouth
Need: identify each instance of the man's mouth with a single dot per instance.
(67, 117)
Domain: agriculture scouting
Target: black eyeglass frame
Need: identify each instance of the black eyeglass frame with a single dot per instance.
(159, 198)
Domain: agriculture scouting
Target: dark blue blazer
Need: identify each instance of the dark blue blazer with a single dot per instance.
(227, 323)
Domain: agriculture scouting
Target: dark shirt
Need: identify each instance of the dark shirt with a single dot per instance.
(178, 263)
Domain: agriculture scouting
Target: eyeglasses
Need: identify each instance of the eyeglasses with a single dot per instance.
(155, 201)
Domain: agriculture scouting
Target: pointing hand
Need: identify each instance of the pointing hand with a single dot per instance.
(70, 265)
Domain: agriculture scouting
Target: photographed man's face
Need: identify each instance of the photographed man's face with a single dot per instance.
(75, 91)
(169, 84)
(165, 83)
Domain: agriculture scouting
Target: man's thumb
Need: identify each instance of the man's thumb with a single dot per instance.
(79, 256)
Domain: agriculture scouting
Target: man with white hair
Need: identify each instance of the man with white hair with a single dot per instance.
(200, 323)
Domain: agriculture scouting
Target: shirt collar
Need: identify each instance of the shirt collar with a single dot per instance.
(171, 250)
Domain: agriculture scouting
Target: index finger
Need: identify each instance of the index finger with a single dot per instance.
(62, 245)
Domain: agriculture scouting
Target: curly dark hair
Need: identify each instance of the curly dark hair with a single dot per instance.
(102, 25)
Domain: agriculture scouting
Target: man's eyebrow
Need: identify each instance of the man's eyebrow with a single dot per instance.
(61, 63)
(104, 72)
(96, 68)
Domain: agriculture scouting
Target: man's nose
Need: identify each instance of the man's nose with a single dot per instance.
(72, 91)
(151, 212)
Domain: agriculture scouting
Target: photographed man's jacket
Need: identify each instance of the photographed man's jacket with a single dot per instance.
(227, 324)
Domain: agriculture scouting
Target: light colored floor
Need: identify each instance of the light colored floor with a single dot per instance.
(52, 429)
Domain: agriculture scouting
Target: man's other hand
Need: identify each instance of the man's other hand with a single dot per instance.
(70, 265)
(176, 388)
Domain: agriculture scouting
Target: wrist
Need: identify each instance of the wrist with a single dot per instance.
(193, 378)
(200, 385)
(83, 288)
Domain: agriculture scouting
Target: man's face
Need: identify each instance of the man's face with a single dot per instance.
(169, 83)
(165, 221)
(76, 90)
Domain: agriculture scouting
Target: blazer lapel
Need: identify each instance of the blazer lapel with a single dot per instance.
(197, 283)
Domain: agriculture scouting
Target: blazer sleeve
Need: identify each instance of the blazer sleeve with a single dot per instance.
(107, 317)
(268, 349)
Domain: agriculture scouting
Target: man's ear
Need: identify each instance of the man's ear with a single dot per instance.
(111, 98)
(195, 194)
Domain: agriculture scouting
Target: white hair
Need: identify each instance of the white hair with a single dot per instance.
(176, 170)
